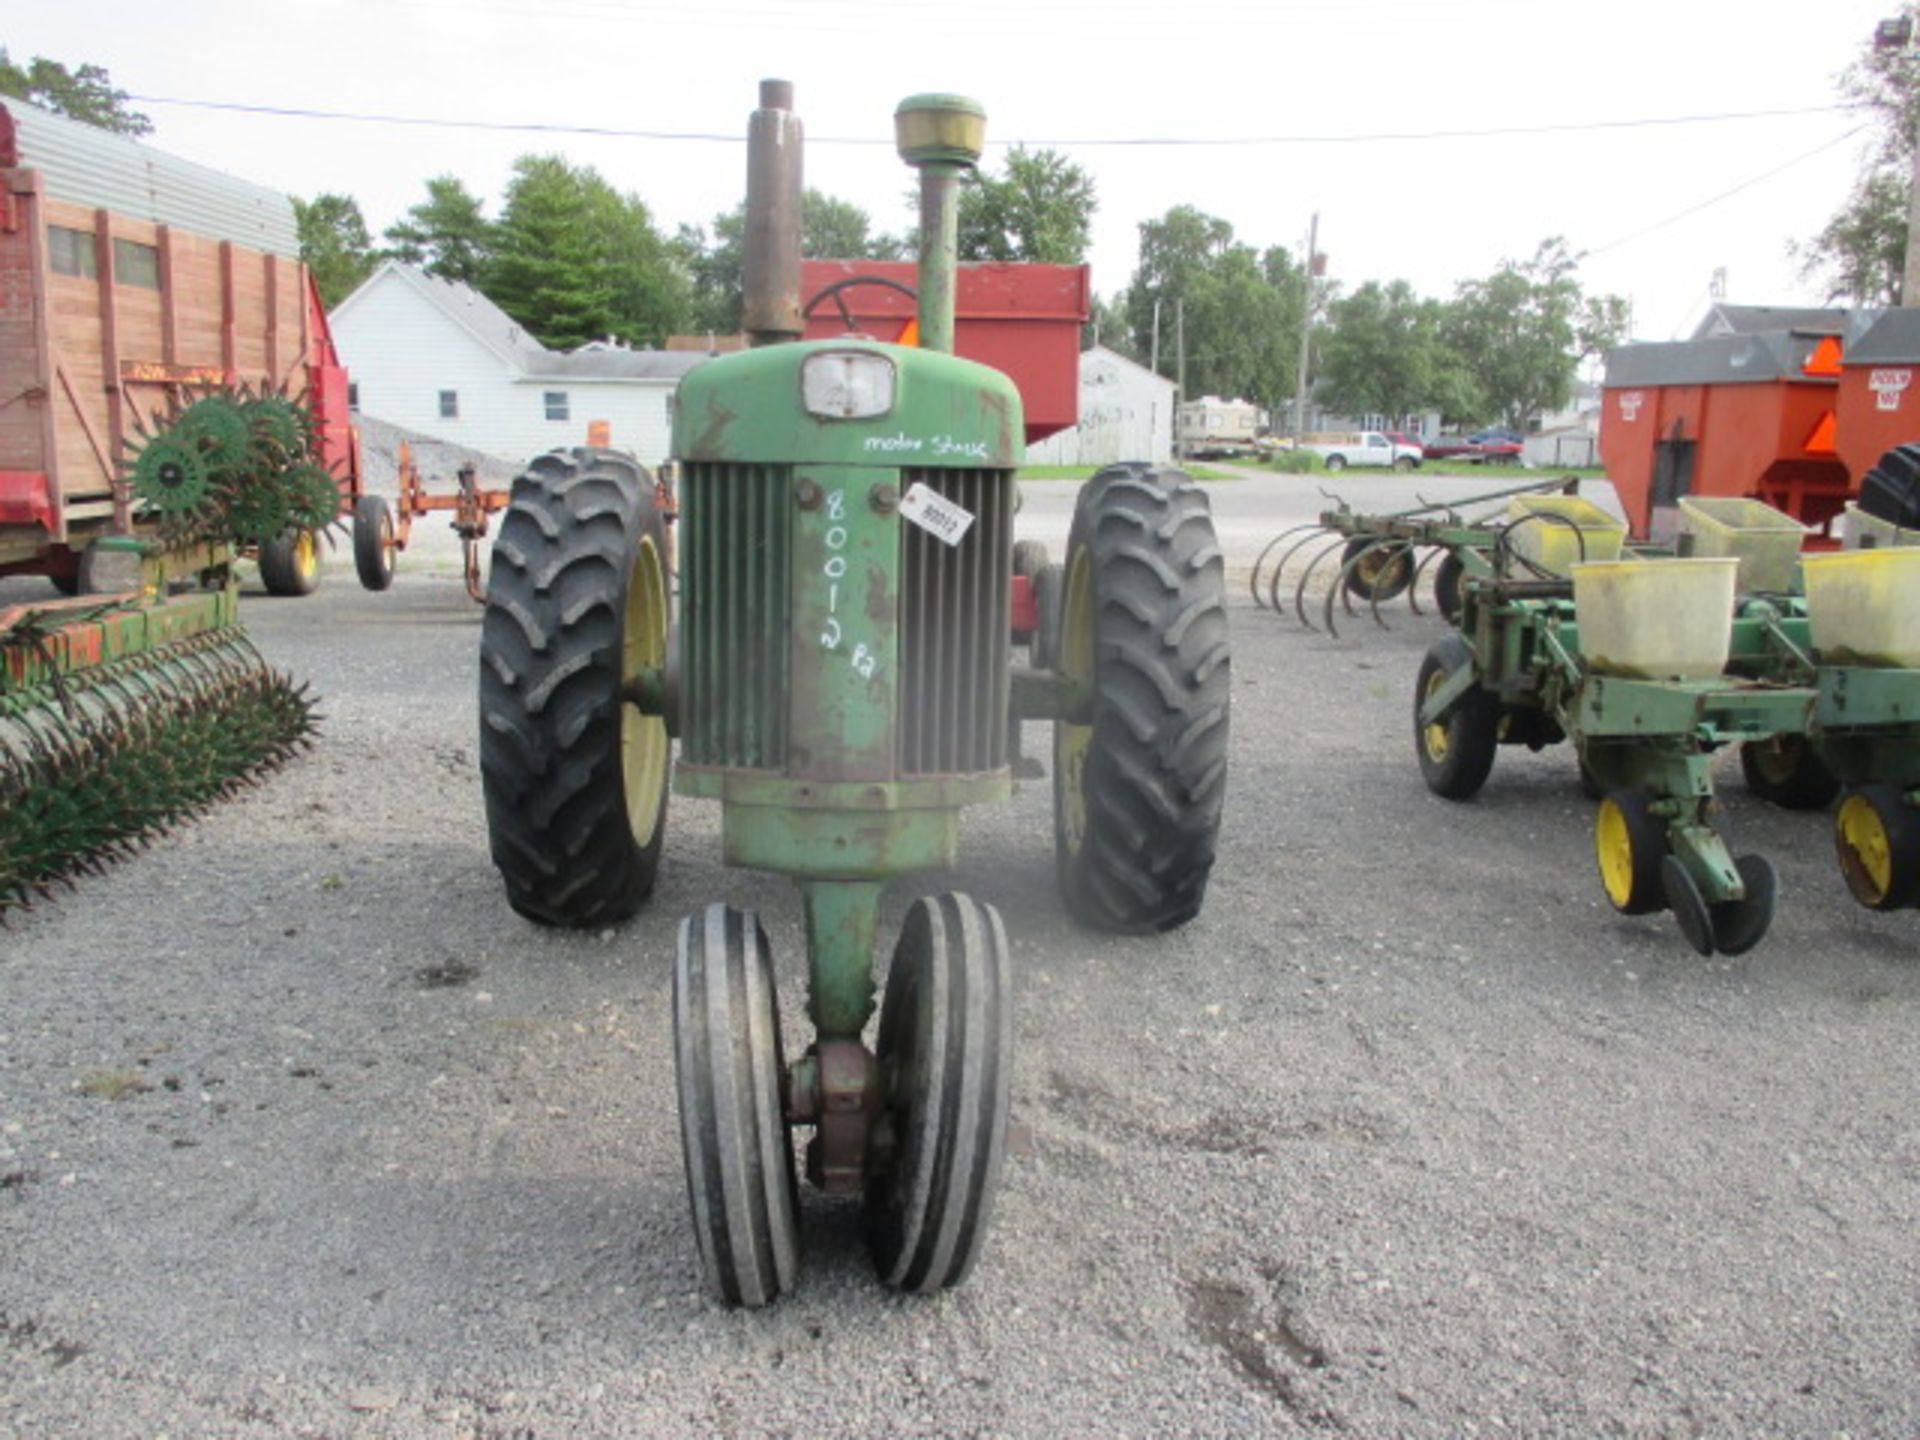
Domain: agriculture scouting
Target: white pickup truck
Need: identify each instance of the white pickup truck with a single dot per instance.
(1362, 447)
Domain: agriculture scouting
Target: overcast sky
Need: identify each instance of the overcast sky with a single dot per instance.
(1284, 104)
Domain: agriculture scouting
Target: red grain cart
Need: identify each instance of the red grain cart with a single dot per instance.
(1740, 415)
(1879, 402)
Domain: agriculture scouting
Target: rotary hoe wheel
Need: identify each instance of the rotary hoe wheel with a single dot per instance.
(373, 542)
(1138, 791)
(290, 562)
(575, 775)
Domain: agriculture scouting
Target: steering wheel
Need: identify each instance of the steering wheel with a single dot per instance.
(836, 292)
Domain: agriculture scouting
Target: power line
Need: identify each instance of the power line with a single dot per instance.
(1357, 138)
(1723, 195)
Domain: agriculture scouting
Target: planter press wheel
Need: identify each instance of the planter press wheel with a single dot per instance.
(1138, 789)
(290, 563)
(1630, 842)
(946, 1041)
(1877, 837)
(373, 542)
(1456, 754)
(837, 292)
(575, 775)
(1785, 770)
(729, 1064)
(1376, 570)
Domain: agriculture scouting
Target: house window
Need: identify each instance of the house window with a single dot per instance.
(353, 394)
(136, 264)
(70, 252)
(556, 405)
(449, 404)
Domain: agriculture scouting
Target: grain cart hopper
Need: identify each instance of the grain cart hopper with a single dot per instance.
(841, 681)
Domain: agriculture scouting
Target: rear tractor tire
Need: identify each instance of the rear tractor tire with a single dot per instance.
(575, 775)
(1138, 791)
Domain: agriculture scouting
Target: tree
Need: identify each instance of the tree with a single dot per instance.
(1382, 353)
(573, 260)
(334, 244)
(1240, 309)
(1861, 252)
(86, 94)
(446, 234)
(1518, 333)
(830, 229)
(1861, 255)
(1107, 325)
(1040, 211)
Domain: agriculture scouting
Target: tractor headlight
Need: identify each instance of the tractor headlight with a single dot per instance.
(847, 384)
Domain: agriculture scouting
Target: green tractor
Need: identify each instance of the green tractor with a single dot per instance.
(840, 678)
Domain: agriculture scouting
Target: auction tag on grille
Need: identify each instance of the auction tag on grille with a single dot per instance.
(935, 514)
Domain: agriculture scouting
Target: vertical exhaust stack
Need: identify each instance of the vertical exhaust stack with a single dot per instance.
(770, 303)
(941, 136)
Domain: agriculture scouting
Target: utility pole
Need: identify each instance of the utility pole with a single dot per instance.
(1897, 34)
(1306, 330)
(1153, 356)
(1180, 342)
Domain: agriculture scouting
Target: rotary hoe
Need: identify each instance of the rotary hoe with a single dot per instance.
(131, 707)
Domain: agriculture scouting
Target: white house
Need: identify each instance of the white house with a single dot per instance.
(440, 358)
(1126, 413)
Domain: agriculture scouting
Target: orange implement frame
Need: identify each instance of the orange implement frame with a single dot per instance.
(473, 505)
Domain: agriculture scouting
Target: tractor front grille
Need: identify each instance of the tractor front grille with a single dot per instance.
(735, 585)
(954, 622)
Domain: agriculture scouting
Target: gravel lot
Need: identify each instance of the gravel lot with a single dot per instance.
(303, 1132)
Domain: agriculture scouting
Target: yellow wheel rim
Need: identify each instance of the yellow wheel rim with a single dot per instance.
(306, 554)
(1380, 566)
(1864, 835)
(643, 738)
(1613, 844)
(1777, 758)
(1435, 737)
(1071, 743)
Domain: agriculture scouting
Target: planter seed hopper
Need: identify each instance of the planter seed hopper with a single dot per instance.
(841, 680)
